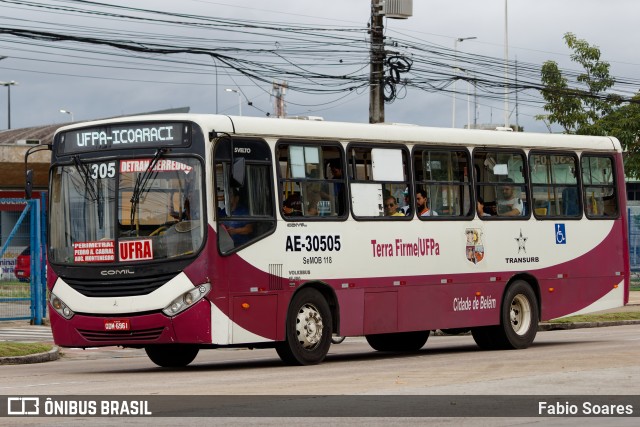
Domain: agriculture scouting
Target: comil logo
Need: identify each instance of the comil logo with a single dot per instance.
(23, 406)
(117, 272)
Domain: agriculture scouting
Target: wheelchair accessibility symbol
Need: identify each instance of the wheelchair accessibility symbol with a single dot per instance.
(561, 235)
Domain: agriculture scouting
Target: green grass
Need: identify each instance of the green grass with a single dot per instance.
(12, 349)
(15, 290)
(599, 317)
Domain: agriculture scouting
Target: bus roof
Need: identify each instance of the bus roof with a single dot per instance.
(388, 132)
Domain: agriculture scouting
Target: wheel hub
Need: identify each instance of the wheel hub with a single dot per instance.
(309, 326)
(520, 314)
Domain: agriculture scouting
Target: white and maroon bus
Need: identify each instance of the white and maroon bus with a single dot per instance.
(176, 233)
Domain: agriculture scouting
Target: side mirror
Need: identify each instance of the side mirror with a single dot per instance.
(28, 173)
(28, 186)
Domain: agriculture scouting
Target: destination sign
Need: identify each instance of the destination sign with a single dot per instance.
(120, 137)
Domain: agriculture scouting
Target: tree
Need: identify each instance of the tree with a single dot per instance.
(575, 108)
(587, 108)
(624, 124)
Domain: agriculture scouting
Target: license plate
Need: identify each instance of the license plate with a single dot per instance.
(117, 325)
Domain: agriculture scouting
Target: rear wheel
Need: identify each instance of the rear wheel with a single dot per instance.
(172, 355)
(308, 329)
(518, 321)
(399, 341)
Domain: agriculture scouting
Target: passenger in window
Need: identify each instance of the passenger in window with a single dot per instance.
(480, 207)
(240, 231)
(312, 204)
(391, 207)
(292, 206)
(422, 204)
(406, 209)
(509, 203)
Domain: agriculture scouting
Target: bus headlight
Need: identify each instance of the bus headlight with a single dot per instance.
(60, 307)
(187, 299)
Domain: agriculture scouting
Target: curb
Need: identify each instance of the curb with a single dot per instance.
(580, 325)
(53, 354)
(547, 326)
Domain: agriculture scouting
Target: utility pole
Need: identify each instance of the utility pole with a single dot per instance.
(279, 89)
(455, 76)
(376, 74)
(516, 85)
(506, 67)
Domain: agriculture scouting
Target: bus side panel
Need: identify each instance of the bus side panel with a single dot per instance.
(380, 312)
(453, 305)
(194, 325)
(246, 309)
(596, 279)
(351, 302)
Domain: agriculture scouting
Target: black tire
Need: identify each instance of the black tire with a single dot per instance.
(486, 337)
(172, 355)
(399, 341)
(518, 321)
(308, 329)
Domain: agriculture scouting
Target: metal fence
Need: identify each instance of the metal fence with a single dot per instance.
(634, 237)
(22, 260)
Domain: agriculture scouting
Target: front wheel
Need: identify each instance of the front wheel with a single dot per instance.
(308, 329)
(172, 355)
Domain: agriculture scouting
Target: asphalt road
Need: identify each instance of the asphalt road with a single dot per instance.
(592, 361)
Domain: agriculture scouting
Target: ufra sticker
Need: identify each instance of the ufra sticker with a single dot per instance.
(136, 250)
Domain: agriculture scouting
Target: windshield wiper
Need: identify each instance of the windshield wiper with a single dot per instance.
(83, 170)
(141, 182)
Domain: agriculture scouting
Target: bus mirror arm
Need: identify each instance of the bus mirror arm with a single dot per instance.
(28, 173)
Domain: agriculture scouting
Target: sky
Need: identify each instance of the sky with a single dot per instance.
(92, 83)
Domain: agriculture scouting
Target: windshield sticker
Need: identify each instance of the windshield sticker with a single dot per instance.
(100, 251)
(163, 165)
(136, 250)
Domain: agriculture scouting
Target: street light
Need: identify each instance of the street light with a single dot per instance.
(8, 85)
(239, 99)
(455, 67)
(68, 112)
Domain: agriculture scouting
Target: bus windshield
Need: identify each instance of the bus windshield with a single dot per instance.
(126, 210)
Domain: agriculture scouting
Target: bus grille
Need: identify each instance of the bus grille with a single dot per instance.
(118, 287)
(139, 335)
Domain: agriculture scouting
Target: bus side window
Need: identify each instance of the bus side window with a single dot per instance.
(245, 212)
(311, 179)
(443, 182)
(502, 183)
(379, 178)
(554, 184)
(599, 191)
